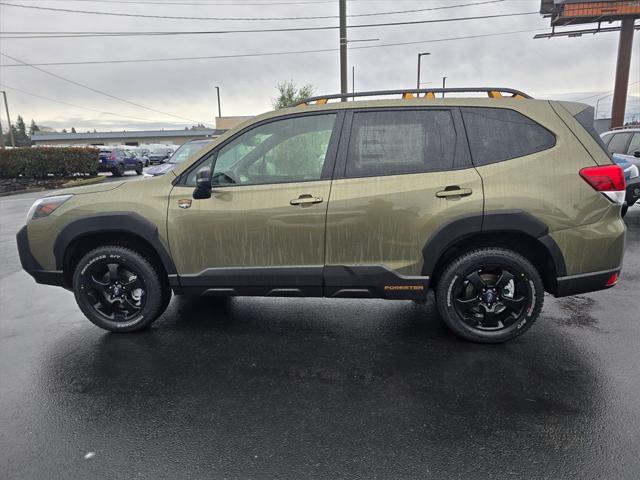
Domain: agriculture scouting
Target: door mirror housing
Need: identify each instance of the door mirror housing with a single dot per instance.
(203, 184)
(636, 154)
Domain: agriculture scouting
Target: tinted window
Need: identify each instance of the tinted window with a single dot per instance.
(606, 138)
(618, 143)
(396, 142)
(634, 146)
(585, 119)
(288, 150)
(497, 134)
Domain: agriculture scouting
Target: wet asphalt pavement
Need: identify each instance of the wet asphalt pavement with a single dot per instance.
(290, 388)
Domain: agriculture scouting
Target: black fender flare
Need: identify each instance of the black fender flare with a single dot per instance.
(125, 222)
(516, 221)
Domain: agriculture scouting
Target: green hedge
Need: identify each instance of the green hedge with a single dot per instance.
(41, 162)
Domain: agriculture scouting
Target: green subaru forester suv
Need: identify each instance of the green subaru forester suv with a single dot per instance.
(488, 201)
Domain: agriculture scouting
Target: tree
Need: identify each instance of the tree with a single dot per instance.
(34, 128)
(289, 93)
(73, 130)
(64, 130)
(20, 133)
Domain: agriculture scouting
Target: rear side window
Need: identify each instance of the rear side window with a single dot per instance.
(585, 119)
(618, 143)
(396, 142)
(497, 134)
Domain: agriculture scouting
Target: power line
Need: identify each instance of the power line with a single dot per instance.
(119, 115)
(95, 90)
(181, 17)
(608, 92)
(262, 30)
(268, 54)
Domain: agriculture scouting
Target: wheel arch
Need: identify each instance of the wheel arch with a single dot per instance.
(127, 229)
(514, 229)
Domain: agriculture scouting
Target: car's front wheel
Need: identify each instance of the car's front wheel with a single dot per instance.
(139, 168)
(490, 295)
(119, 290)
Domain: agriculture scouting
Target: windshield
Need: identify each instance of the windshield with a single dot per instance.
(185, 151)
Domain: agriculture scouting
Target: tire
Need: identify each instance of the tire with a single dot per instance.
(139, 168)
(119, 290)
(490, 295)
(119, 170)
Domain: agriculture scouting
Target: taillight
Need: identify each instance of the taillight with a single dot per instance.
(607, 179)
(113, 157)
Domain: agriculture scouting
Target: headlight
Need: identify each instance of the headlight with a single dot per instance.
(44, 207)
(633, 172)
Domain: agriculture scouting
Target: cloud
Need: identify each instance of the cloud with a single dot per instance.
(569, 68)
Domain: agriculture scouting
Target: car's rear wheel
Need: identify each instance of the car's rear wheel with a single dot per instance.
(119, 170)
(119, 290)
(490, 295)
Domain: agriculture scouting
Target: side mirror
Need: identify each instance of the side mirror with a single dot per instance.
(636, 154)
(203, 184)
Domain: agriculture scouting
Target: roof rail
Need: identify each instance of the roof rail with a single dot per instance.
(429, 93)
(626, 127)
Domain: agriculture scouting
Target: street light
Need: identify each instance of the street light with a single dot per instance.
(419, 57)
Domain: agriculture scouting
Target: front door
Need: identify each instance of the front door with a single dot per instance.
(262, 232)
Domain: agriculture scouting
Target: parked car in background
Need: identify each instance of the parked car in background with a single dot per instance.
(624, 141)
(632, 177)
(118, 161)
(179, 156)
(159, 154)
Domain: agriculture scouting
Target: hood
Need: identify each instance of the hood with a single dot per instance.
(161, 169)
(99, 187)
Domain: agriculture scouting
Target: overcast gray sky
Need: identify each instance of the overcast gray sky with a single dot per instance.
(565, 68)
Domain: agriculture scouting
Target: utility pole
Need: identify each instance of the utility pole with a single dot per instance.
(219, 110)
(419, 57)
(6, 106)
(344, 82)
(622, 72)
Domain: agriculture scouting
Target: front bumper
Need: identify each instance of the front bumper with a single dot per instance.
(31, 265)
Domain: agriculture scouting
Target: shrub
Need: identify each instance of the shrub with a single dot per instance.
(40, 162)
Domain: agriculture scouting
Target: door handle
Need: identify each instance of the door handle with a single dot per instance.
(305, 199)
(454, 191)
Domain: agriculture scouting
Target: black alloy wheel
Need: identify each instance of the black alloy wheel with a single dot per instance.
(490, 295)
(119, 290)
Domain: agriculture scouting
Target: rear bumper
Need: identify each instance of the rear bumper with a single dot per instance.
(106, 167)
(31, 265)
(585, 282)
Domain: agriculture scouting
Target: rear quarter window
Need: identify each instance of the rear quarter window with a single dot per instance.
(498, 134)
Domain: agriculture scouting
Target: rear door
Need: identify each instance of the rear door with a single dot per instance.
(401, 174)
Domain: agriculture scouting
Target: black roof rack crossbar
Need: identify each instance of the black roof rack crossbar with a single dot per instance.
(492, 92)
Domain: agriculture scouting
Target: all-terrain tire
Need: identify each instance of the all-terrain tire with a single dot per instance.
(154, 299)
(455, 277)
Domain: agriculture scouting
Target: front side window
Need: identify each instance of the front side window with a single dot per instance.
(288, 150)
(397, 142)
(497, 134)
(618, 143)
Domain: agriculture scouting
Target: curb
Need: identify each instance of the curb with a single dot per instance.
(69, 184)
